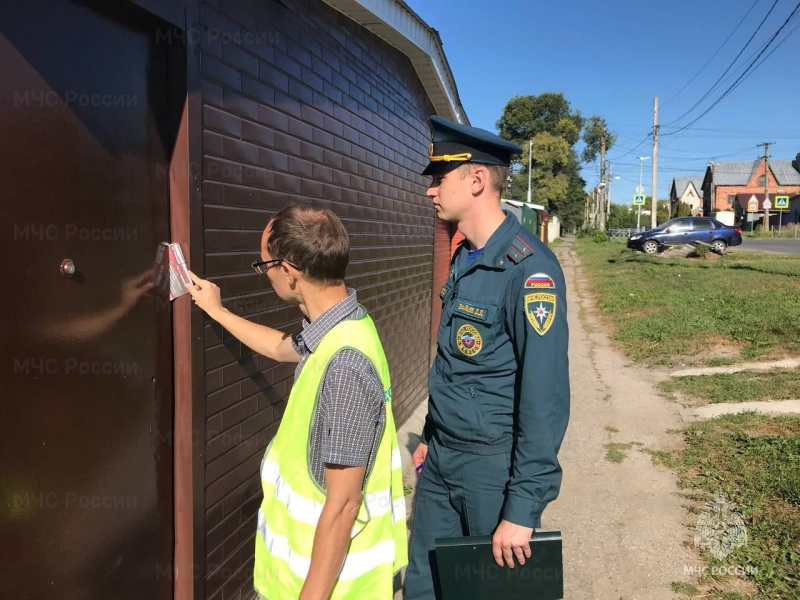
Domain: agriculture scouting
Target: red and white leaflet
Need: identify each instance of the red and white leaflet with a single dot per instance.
(178, 272)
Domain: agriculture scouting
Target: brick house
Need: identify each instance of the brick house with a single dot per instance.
(135, 427)
(727, 186)
(688, 190)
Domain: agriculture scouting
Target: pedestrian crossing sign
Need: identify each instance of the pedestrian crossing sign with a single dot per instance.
(781, 202)
(638, 200)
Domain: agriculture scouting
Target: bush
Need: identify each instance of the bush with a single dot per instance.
(600, 237)
(700, 251)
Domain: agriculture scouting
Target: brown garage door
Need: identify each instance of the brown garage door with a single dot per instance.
(86, 478)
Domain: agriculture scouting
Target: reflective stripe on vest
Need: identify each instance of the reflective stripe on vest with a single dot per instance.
(293, 501)
(308, 511)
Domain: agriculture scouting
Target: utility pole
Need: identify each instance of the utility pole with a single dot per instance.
(653, 221)
(530, 159)
(608, 192)
(602, 211)
(766, 182)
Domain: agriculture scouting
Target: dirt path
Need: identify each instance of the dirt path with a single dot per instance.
(623, 523)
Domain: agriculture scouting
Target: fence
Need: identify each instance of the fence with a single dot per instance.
(622, 235)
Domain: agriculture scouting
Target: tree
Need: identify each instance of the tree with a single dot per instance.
(525, 116)
(595, 131)
(621, 217)
(554, 128)
(662, 209)
(598, 140)
(682, 209)
(570, 208)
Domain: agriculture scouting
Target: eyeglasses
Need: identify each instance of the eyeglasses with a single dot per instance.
(262, 266)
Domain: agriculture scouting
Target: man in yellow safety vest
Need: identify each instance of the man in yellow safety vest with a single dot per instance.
(332, 522)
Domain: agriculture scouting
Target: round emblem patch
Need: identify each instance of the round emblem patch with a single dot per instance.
(468, 340)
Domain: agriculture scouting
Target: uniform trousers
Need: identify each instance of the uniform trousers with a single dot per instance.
(458, 494)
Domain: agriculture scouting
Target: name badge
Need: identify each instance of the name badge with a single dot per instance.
(476, 311)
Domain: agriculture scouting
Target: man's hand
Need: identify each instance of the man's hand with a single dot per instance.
(510, 540)
(419, 456)
(206, 295)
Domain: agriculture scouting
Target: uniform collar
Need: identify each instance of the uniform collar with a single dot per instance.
(495, 250)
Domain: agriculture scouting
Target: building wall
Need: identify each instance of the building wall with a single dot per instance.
(692, 198)
(301, 104)
(723, 192)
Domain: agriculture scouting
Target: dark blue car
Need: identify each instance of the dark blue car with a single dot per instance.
(687, 230)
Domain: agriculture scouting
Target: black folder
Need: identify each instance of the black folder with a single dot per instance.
(467, 570)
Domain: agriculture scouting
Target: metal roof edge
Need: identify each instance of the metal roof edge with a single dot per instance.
(520, 204)
(398, 25)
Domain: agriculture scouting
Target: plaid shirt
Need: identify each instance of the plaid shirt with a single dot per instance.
(351, 412)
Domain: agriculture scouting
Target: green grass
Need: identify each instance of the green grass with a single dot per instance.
(687, 589)
(755, 461)
(720, 361)
(556, 242)
(664, 309)
(779, 384)
(616, 452)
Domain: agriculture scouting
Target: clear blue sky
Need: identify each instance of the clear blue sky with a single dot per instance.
(612, 58)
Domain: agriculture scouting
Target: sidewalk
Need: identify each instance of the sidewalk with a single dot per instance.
(624, 526)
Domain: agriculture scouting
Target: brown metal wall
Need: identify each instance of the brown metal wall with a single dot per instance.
(301, 104)
(86, 508)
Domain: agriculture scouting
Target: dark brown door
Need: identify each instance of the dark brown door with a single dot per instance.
(85, 476)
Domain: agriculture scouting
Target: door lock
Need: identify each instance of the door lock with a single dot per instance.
(68, 268)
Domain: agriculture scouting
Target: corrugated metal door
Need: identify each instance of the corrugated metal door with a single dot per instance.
(86, 477)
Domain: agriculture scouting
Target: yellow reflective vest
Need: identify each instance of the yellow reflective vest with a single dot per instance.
(293, 500)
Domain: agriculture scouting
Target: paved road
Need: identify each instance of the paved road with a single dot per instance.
(780, 246)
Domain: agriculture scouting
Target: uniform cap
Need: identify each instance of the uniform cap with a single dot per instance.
(453, 144)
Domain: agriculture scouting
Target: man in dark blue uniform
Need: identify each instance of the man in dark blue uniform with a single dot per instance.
(499, 386)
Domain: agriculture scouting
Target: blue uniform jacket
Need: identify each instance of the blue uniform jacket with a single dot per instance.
(500, 380)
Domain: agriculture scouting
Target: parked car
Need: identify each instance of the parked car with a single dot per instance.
(687, 230)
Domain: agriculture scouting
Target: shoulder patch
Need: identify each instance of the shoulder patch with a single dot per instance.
(540, 303)
(540, 281)
(540, 308)
(519, 250)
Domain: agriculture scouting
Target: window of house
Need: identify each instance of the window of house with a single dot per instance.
(762, 181)
(731, 199)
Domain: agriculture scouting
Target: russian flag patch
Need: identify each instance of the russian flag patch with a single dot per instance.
(540, 281)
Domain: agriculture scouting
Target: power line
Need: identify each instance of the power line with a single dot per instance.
(636, 147)
(696, 75)
(744, 74)
(730, 66)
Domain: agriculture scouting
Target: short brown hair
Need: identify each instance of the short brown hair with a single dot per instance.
(497, 174)
(313, 239)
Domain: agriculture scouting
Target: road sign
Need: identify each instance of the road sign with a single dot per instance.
(640, 189)
(782, 202)
(638, 200)
(752, 204)
(767, 204)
